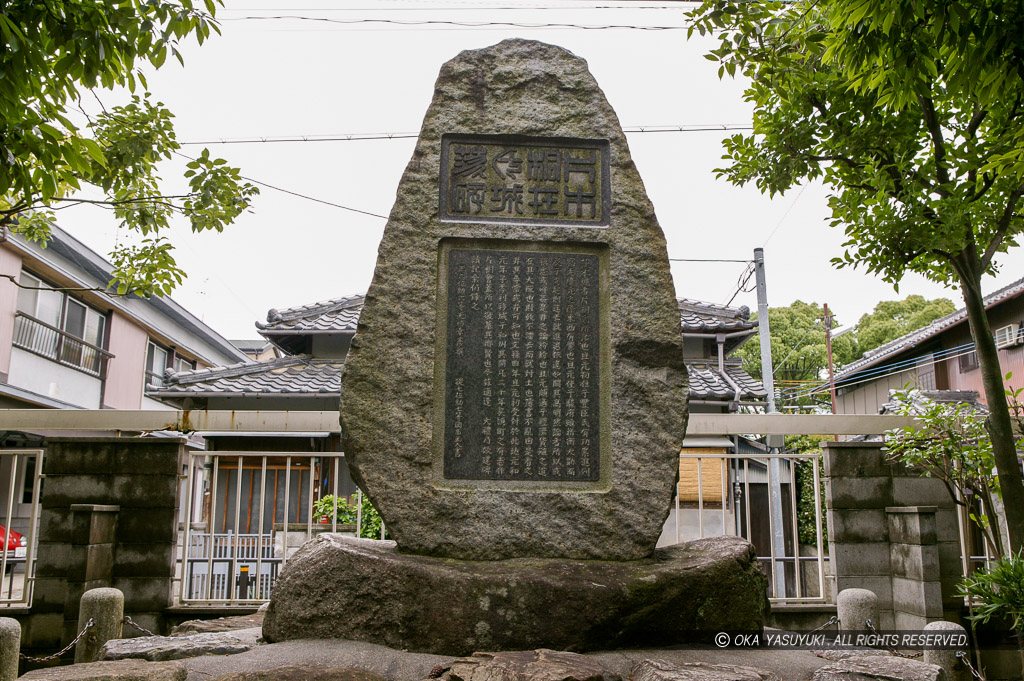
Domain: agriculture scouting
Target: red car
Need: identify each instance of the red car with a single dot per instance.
(15, 545)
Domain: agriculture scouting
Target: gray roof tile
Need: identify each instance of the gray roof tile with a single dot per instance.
(297, 374)
(707, 383)
(699, 317)
(339, 314)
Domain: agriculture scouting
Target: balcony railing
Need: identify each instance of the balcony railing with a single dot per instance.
(52, 343)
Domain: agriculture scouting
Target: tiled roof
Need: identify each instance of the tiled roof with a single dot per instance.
(699, 317)
(339, 314)
(707, 383)
(294, 375)
(873, 357)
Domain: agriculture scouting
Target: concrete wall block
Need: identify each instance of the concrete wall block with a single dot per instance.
(947, 525)
(128, 491)
(915, 562)
(49, 595)
(905, 621)
(860, 493)
(919, 491)
(55, 525)
(150, 525)
(144, 594)
(64, 490)
(869, 559)
(857, 462)
(144, 560)
(98, 455)
(911, 527)
(950, 564)
(851, 526)
(915, 597)
(57, 560)
(42, 630)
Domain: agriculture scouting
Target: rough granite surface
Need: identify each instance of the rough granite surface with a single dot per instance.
(341, 587)
(116, 670)
(388, 393)
(528, 665)
(880, 668)
(655, 670)
(156, 648)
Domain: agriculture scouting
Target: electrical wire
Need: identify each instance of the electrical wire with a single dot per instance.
(823, 387)
(301, 196)
(357, 136)
(461, 25)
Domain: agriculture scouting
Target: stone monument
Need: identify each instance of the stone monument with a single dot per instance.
(516, 393)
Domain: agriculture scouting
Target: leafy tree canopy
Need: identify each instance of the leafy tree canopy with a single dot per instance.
(797, 334)
(894, 318)
(911, 111)
(55, 53)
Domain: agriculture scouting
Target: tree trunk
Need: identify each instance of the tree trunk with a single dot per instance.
(998, 423)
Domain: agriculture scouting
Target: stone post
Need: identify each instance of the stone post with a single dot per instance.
(914, 556)
(947, 659)
(105, 607)
(855, 607)
(10, 646)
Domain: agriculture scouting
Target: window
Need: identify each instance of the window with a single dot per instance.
(157, 359)
(968, 361)
(182, 364)
(59, 326)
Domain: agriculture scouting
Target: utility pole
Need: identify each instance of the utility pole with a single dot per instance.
(828, 347)
(774, 464)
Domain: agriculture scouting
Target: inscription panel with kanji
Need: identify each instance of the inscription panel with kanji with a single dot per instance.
(522, 357)
(524, 180)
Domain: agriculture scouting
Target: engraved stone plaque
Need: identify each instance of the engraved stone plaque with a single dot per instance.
(522, 343)
(524, 180)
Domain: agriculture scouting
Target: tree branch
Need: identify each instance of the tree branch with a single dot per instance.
(1002, 226)
(975, 122)
(938, 144)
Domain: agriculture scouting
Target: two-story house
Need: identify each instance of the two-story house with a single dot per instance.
(938, 357)
(68, 343)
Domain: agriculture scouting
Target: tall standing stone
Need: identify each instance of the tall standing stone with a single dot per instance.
(516, 386)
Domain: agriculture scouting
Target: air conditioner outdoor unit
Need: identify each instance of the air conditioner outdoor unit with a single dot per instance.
(1006, 336)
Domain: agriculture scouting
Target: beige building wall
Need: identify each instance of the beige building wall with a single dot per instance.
(126, 371)
(10, 264)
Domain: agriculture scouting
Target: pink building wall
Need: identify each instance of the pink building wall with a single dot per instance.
(10, 263)
(127, 369)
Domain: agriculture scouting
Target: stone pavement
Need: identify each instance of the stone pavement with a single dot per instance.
(397, 665)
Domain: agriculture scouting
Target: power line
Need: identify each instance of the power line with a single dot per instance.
(461, 25)
(301, 196)
(706, 260)
(359, 136)
(478, 8)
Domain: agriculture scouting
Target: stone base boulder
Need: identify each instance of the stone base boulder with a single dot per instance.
(301, 672)
(158, 648)
(117, 670)
(341, 587)
(527, 665)
(653, 670)
(880, 668)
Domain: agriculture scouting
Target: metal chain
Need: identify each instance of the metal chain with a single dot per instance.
(892, 650)
(966, 659)
(831, 620)
(131, 623)
(88, 625)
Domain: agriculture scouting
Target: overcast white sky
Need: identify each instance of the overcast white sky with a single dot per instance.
(273, 77)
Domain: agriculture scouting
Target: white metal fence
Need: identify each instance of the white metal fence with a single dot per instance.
(21, 470)
(756, 496)
(246, 513)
